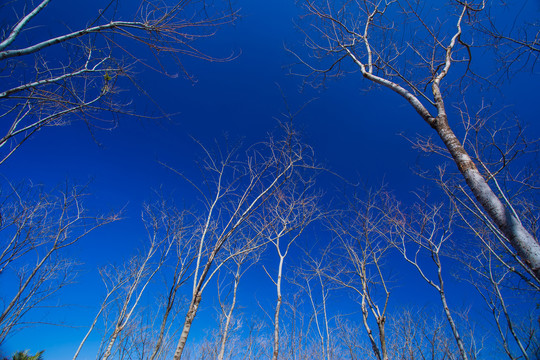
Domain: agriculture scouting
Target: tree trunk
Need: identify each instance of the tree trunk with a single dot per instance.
(521, 240)
(111, 343)
(275, 353)
(382, 336)
(453, 326)
(170, 303)
(369, 332)
(228, 321)
(193, 307)
(276, 330)
(457, 337)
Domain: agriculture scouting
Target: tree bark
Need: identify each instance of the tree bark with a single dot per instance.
(168, 309)
(193, 307)
(275, 353)
(229, 317)
(453, 326)
(111, 343)
(382, 336)
(526, 246)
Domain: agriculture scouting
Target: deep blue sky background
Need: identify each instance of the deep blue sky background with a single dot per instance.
(353, 132)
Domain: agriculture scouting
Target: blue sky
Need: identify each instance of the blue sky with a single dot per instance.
(353, 132)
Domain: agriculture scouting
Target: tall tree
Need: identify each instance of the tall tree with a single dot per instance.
(234, 189)
(290, 210)
(422, 60)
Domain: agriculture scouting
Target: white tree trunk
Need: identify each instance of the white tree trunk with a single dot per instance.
(111, 343)
(229, 317)
(526, 246)
(194, 306)
(453, 326)
(275, 353)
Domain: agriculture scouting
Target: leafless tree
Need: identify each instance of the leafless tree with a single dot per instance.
(417, 335)
(355, 345)
(504, 153)
(290, 210)
(421, 60)
(233, 191)
(77, 74)
(183, 255)
(412, 335)
(360, 260)
(493, 268)
(310, 278)
(507, 297)
(249, 344)
(427, 230)
(241, 262)
(127, 284)
(36, 227)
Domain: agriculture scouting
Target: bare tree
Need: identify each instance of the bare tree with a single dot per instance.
(233, 190)
(493, 268)
(507, 297)
(126, 284)
(417, 335)
(36, 227)
(184, 255)
(241, 262)
(290, 210)
(310, 278)
(415, 61)
(77, 73)
(359, 263)
(428, 230)
(256, 343)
